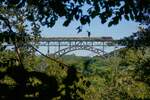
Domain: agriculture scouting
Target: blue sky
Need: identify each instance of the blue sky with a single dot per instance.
(124, 28)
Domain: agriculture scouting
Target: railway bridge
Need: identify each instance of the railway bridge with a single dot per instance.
(93, 44)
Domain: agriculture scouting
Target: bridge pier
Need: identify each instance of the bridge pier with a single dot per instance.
(48, 48)
(103, 47)
(59, 46)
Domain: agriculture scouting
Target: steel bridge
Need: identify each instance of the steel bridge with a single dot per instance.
(76, 43)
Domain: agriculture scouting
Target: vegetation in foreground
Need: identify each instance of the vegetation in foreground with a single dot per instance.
(25, 76)
(124, 76)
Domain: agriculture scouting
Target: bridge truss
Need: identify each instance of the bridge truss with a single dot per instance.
(93, 44)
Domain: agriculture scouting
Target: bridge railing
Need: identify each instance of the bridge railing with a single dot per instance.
(102, 39)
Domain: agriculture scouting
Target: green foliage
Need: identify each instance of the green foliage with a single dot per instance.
(23, 75)
(32, 82)
(124, 76)
(47, 12)
(139, 39)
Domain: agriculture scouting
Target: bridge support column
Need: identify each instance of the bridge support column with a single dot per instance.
(59, 47)
(92, 43)
(48, 48)
(103, 47)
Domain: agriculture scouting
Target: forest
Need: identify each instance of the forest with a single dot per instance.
(24, 75)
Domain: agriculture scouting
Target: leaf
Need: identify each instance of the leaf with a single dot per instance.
(110, 24)
(131, 16)
(79, 28)
(94, 14)
(30, 17)
(126, 17)
(66, 23)
(76, 17)
(82, 21)
(88, 2)
(13, 2)
(116, 20)
(51, 24)
(103, 19)
(85, 19)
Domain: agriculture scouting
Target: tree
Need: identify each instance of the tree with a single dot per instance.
(139, 39)
(48, 11)
(14, 16)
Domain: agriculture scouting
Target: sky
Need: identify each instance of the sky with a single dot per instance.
(124, 28)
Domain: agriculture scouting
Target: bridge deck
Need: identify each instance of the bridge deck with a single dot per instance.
(53, 39)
